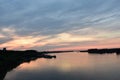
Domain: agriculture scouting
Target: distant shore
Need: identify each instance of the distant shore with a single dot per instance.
(103, 51)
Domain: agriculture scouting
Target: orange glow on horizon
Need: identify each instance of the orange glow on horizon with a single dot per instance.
(64, 41)
(102, 44)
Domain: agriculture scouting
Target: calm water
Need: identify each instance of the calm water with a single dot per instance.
(69, 66)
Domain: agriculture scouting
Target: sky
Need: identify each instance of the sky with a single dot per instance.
(59, 24)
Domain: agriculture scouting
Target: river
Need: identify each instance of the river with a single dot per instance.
(69, 66)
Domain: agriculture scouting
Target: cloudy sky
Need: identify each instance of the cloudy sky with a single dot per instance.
(59, 24)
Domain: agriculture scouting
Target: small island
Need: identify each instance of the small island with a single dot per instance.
(103, 51)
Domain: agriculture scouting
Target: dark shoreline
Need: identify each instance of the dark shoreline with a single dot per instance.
(12, 59)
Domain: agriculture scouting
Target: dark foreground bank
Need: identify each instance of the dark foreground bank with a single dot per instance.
(12, 59)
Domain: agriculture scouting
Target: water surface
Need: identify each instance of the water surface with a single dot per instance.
(69, 66)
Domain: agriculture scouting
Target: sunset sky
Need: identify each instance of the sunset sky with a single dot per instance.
(59, 24)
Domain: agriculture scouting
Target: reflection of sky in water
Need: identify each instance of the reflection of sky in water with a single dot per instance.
(69, 67)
